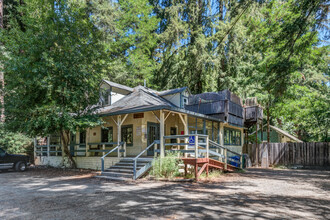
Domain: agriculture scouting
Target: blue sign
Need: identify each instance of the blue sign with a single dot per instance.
(191, 140)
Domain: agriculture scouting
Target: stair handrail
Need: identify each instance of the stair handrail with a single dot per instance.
(112, 150)
(140, 154)
(227, 150)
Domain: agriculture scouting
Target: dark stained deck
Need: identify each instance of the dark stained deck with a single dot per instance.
(206, 164)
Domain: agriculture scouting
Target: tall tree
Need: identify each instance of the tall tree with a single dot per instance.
(2, 82)
(53, 68)
(130, 28)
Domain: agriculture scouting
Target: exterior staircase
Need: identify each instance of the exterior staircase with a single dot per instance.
(123, 170)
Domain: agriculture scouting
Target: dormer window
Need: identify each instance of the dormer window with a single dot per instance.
(106, 96)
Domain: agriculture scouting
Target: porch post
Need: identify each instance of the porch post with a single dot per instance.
(186, 131)
(184, 120)
(118, 133)
(35, 148)
(48, 147)
(162, 129)
(204, 126)
(219, 138)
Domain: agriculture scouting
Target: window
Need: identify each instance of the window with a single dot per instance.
(105, 95)
(82, 137)
(107, 134)
(232, 137)
(127, 134)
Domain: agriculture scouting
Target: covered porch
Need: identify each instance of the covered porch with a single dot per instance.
(134, 132)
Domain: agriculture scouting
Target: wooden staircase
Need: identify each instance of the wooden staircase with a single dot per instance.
(124, 169)
(204, 164)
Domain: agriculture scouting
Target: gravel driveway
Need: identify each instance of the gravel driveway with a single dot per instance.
(255, 194)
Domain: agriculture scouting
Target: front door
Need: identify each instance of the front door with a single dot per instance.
(153, 131)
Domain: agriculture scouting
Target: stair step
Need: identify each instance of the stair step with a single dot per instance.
(114, 178)
(130, 164)
(147, 160)
(111, 169)
(117, 174)
(125, 167)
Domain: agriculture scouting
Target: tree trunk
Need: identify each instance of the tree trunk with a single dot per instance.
(268, 128)
(65, 137)
(2, 82)
(1, 13)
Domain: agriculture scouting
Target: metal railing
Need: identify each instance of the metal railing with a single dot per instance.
(201, 148)
(119, 150)
(226, 150)
(199, 141)
(147, 166)
(101, 147)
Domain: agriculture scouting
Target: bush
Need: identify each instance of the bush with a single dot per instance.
(15, 142)
(167, 167)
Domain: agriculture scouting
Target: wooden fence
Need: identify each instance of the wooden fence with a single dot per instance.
(305, 154)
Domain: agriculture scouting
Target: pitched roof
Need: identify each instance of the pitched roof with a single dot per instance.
(281, 132)
(172, 91)
(141, 100)
(285, 133)
(118, 86)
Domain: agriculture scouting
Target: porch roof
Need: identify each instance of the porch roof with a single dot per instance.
(142, 100)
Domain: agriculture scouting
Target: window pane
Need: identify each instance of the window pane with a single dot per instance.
(82, 137)
(238, 137)
(106, 134)
(232, 137)
(110, 135)
(127, 134)
(227, 136)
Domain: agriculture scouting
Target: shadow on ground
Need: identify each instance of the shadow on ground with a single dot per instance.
(244, 196)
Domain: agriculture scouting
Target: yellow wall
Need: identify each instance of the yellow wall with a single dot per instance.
(93, 135)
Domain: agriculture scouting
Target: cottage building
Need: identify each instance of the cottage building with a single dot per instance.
(277, 135)
(146, 123)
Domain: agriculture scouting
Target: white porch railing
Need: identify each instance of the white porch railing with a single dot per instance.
(200, 148)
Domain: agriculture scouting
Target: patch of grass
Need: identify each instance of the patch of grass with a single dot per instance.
(280, 167)
(212, 174)
(240, 171)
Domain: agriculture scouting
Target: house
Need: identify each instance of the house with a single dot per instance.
(143, 123)
(278, 135)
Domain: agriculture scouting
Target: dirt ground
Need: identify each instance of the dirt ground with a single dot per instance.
(255, 194)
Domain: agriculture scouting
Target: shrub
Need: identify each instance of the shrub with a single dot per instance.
(167, 167)
(14, 142)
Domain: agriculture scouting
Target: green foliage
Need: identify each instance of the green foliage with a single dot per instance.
(53, 68)
(54, 55)
(14, 142)
(167, 167)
